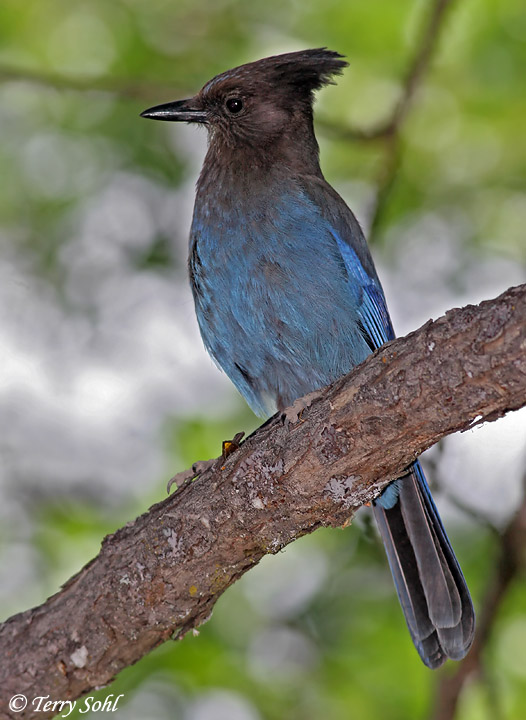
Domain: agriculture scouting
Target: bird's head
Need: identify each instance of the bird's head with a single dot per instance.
(256, 104)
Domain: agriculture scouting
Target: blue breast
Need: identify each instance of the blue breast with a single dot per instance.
(283, 302)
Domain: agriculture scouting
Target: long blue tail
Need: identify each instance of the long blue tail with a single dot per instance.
(428, 579)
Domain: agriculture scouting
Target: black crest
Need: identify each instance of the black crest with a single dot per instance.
(302, 72)
(311, 69)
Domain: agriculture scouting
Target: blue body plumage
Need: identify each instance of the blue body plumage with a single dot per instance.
(266, 290)
(288, 299)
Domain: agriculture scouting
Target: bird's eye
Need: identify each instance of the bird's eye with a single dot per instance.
(234, 105)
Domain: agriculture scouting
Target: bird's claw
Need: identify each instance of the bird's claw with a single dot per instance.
(198, 468)
(230, 446)
(291, 415)
(201, 466)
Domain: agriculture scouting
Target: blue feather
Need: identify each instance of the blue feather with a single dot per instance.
(266, 285)
(369, 296)
(288, 299)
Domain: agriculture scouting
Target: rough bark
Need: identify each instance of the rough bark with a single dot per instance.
(161, 574)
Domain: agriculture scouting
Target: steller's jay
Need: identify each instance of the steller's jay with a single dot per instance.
(288, 299)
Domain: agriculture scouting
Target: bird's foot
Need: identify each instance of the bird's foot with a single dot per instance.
(201, 466)
(183, 477)
(230, 446)
(291, 415)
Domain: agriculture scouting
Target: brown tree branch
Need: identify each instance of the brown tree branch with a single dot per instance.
(149, 89)
(121, 87)
(392, 129)
(389, 131)
(510, 563)
(161, 574)
(416, 70)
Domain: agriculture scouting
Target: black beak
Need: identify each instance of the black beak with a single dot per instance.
(178, 111)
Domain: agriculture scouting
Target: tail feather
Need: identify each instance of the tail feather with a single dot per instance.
(439, 587)
(430, 585)
(405, 573)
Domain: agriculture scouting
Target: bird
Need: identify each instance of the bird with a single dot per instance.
(288, 299)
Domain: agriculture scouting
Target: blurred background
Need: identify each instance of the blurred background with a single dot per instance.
(106, 390)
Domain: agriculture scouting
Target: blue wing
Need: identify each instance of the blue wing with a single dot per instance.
(369, 298)
(428, 579)
(293, 302)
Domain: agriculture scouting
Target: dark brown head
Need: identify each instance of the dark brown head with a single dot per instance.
(263, 104)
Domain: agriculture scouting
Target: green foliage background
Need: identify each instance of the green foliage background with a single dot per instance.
(73, 78)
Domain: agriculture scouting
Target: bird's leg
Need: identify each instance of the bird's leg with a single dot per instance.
(201, 466)
(230, 446)
(291, 415)
(185, 476)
